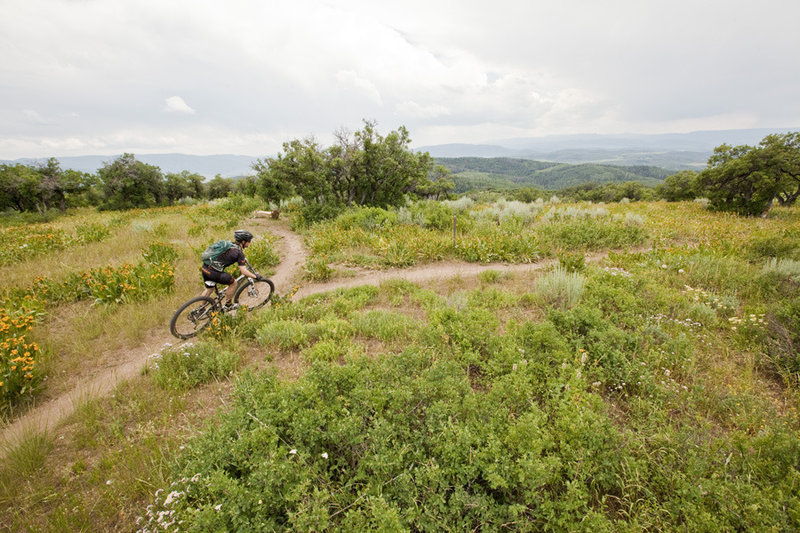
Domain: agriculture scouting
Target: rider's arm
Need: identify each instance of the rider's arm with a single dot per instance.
(246, 272)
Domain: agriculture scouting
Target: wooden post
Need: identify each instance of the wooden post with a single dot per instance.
(454, 231)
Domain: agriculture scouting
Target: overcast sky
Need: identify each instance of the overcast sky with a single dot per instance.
(201, 77)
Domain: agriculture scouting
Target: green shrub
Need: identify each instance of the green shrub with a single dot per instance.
(330, 328)
(261, 253)
(787, 268)
(560, 288)
(189, 365)
(784, 340)
(87, 233)
(366, 218)
(316, 212)
(317, 269)
(490, 276)
(385, 326)
(572, 261)
(435, 215)
(785, 246)
(590, 233)
(159, 252)
(283, 335)
(328, 350)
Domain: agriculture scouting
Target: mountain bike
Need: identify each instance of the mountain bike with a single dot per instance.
(193, 316)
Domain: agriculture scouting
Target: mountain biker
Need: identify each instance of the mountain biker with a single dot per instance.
(213, 275)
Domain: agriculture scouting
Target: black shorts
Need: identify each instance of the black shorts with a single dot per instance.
(211, 277)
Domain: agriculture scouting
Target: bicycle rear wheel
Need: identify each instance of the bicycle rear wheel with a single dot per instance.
(254, 294)
(192, 317)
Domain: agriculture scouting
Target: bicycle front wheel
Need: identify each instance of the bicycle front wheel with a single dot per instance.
(254, 294)
(192, 317)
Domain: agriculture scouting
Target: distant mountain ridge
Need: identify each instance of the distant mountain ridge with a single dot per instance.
(671, 151)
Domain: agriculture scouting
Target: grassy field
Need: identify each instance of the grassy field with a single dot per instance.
(652, 389)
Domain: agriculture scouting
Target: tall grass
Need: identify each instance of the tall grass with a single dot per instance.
(561, 288)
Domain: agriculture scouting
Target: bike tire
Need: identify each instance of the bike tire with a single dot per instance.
(254, 295)
(192, 317)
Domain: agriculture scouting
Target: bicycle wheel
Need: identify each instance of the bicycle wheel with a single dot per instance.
(192, 317)
(254, 294)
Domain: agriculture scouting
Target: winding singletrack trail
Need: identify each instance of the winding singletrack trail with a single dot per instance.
(45, 417)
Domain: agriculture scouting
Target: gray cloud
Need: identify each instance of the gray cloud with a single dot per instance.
(243, 76)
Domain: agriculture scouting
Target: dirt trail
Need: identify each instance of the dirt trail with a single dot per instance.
(46, 416)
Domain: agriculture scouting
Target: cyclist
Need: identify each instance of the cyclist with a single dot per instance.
(213, 274)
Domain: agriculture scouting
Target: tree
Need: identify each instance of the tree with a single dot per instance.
(177, 186)
(747, 180)
(363, 169)
(128, 183)
(219, 187)
(438, 186)
(246, 186)
(679, 187)
(20, 188)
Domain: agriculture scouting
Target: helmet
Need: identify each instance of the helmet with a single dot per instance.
(242, 235)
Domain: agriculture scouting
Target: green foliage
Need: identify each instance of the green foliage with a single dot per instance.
(490, 276)
(19, 355)
(128, 183)
(385, 326)
(746, 180)
(183, 367)
(560, 288)
(314, 212)
(283, 334)
(435, 215)
(42, 187)
(483, 420)
(366, 218)
(261, 253)
(367, 169)
(590, 233)
(533, 179)
(160, 252)
(18, 243)
(317, 269)
(572, 261)
(783, 246)
(784, 340)
(679, 187)
(92, 232)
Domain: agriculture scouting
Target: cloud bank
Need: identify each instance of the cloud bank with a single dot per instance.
(244, 76)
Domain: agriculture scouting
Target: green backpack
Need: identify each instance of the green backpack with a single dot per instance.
(213, 252)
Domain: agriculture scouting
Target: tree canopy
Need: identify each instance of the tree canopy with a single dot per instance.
(365, 168)
(747, 180)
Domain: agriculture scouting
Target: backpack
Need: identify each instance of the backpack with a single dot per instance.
(213, 252)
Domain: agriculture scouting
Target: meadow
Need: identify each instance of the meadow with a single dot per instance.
(643, 375)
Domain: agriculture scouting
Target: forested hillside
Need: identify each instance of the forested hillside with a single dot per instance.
(470, 173)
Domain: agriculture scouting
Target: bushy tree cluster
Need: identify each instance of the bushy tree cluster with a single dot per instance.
(123, 183)
(608, 192)
(748, 179)
(29, 188)
(363, 169)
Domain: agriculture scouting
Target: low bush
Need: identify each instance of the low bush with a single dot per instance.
(183, 367)
(560, 288)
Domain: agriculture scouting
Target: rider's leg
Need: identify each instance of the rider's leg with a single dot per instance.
(229, 293)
